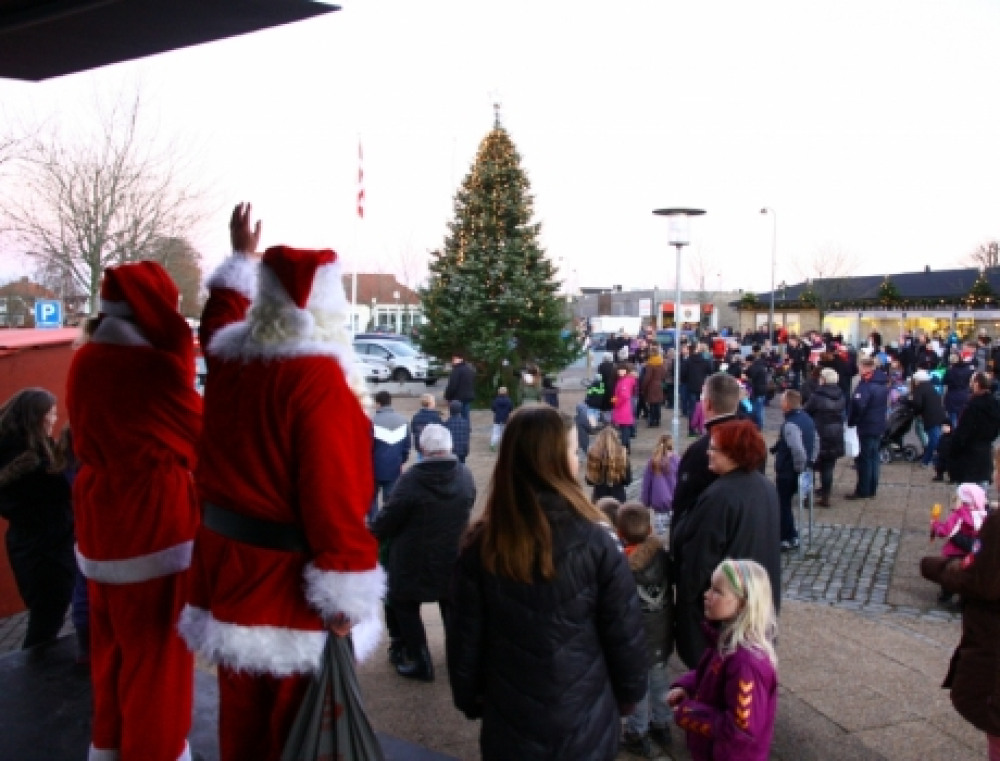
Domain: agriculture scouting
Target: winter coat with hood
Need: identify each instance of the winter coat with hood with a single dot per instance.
(584, 428)
(423, 417)
(653, 378)
(971, 457)
(956, 384)
(422, 523)
(460, 430)
(974, 673)
(826, 407)
(391, 443)
(551, 689)
(870, 405)
(658, 488)
(650, 566)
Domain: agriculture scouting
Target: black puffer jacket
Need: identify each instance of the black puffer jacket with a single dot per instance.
(926, 402)
(826, 407)
(956, 384)
(547, 665)
(971, 457)
(461, 383)
(698, 369)
(422, 524)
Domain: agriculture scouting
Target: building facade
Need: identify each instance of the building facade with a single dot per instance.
(383, 303)
(711, 311)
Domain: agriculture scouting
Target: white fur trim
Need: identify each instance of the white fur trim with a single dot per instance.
(186, 755)
(236, 273)
(357, 595)
(271, 650)
(101, 754)
(137, 569)
(114, 330)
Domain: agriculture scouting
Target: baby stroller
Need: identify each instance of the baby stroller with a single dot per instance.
(891, 447)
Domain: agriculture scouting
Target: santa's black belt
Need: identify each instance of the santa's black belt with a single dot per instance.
(268, 535)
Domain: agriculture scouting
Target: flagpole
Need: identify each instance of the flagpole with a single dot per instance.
(355, 326)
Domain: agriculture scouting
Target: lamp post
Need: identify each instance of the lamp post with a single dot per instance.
(774, 256)
(374, 323)
(399, 316)
(678, 236)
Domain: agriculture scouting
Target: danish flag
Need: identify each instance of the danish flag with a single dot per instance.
(361, 184)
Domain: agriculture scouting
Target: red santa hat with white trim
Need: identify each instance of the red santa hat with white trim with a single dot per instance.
(145, 294)
(300, 284)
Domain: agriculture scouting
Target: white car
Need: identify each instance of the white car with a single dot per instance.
(405, 363)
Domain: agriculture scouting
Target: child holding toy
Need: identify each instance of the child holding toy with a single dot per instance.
(962, 526)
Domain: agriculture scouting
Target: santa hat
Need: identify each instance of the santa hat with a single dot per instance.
(298, 282)
(145, 294)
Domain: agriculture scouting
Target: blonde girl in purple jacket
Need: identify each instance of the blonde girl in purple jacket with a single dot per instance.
(659, 482)
(727, 705)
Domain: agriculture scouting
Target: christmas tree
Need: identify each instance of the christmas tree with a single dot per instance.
(888, 293)
(491, 293)
(981, 294)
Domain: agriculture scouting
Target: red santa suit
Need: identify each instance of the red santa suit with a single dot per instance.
(136, 421)
(287, 449)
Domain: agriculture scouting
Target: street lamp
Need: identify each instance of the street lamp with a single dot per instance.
(374, 324)
(399, 316)
(774, 256)
(679, 235)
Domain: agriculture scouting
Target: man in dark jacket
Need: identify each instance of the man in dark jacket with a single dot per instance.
(794, 451)
(971, 457)
(391, 448)
(756, 375)
(826, 408)
(609, 374)
(957, 379)
(461, 383)
(868, 410)
(798, 356)
(419, 530)
(698, 369)
(926, 402)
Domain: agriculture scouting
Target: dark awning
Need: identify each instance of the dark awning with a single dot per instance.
(48, 38)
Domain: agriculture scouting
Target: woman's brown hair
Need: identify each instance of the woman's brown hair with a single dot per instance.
(21, 417)
(607, 458)
(533, 458)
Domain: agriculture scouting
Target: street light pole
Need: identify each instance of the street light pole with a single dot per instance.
(679, 236)
(774, 257)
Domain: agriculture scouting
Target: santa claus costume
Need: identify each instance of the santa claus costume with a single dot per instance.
(136, 421)
(286, 479)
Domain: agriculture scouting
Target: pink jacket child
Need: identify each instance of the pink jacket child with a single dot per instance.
(962, 526)
(621, 414)
(733, 705)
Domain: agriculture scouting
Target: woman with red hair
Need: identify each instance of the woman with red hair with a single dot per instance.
(737, 517)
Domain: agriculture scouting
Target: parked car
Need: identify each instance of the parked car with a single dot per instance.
(376, 371)
(397, 337)
(405, 363)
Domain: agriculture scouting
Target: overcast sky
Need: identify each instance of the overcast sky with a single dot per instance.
(871, 128)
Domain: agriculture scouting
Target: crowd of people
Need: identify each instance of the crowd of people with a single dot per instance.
(254, 527)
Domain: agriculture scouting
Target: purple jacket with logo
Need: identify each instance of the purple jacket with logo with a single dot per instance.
(732, 704)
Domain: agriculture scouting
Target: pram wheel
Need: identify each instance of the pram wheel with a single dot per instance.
(885, 453)
(910, 453)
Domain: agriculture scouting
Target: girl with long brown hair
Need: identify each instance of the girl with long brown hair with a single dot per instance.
(608, 468)
(545, 641)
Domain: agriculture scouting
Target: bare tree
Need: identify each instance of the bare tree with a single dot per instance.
(82, 204)
(704, 272)
(984, 256)
(828, 275)
(183, 262)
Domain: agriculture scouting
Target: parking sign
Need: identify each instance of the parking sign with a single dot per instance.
(48, 313)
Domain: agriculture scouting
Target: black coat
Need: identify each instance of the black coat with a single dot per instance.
(956, 387)
(826, 407)
(547, 665)
(650, 566)
(37, 503)
(698, 369)
(461, 383)
(422, 524)
(756, 373)
(926, 402)
(609, 374)
(971, 456)
(736, 517)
